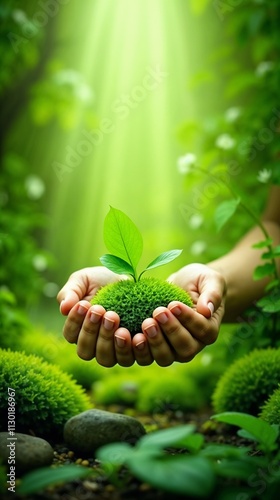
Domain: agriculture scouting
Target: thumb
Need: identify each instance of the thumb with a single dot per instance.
(67, 300)
(211, 296)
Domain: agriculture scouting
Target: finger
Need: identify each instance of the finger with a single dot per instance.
(105, 346)
(199, 330)
(86, 344)
(123, 347)
(184, 344)
(75, 320)
(70, 299)
(211, 295)
(159, 348)
(141, 350)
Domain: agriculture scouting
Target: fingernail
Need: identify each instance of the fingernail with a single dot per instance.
(211, 307)
(120, 341)
(140, 345)
(151, 331)
(82, 310)
(161, 318)
(175, 310)
(108, 323)
(95, 317)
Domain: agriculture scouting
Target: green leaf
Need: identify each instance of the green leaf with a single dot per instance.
(272, 284)
(163, 258)
(194, 442)
(275, 252)
(262, 244)
(269, 304)
(122, 237)
(115, 453)
(41, 478)
(263, 432)
(116, 264)
(225, 211)
(182, 474)
(166, 437)
(263, 271)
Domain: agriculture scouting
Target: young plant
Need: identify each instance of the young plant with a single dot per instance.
(133, 299)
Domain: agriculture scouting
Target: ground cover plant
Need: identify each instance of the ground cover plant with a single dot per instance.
(45, 396)
(134, 299)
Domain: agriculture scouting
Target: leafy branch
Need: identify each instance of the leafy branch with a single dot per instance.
(124, 240)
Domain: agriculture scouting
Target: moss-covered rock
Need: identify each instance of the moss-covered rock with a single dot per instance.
(136, 301)
(248, 382)
(45, 397)
(270, 411)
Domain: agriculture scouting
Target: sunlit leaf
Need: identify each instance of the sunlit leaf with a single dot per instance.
(225, 211)
(163, 258)
(122, 237)
(116, 264)
(263, 271)
(274, 252)
(41, 478)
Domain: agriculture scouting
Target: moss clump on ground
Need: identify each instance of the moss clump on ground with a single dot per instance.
(248, 382)
(270, 411)
(136, 301)
(45, 397)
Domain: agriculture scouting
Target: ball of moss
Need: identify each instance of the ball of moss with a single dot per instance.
(270, 411)
(248, 382)
(136, 301)
(45, 397)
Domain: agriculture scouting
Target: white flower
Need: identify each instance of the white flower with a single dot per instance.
(40, 262)
(232, 114)
(263, 68)
(185, 163)
(264, 175)
(195, 221)
(225, 141)
(34, 186)
(198, 247)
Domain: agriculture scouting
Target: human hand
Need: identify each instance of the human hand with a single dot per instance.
(179, 332)
(93, 329)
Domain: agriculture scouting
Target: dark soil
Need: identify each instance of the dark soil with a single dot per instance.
(100, 487)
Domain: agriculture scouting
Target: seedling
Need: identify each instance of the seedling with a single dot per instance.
(134, 299)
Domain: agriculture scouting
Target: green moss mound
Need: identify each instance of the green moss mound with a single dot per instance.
(45, 397)
(136, 301)
(270, 411)
(248, 382)
(55, 350)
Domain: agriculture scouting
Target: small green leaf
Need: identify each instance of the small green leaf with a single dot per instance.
(182, 474)
(166, 437)
(225, 211)
(263, 432)
(114, 453)
(269, 304)
(263, 271)
(39, 479)
(272, 284)
(262, 244)
(122, 237)
(275, 252)
(116, 264)
(163, 258)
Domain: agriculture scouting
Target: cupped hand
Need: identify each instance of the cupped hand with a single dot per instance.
(179, 332)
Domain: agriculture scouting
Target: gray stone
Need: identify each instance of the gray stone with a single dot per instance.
(86, 432)
(28, 452)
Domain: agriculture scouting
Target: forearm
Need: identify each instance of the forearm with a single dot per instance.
(238, 266)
